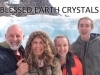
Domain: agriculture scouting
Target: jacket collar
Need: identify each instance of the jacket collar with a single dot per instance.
(93, 37)
(5, 46)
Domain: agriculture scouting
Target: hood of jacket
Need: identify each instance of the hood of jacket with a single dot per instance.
(93, 37)
(4, 44)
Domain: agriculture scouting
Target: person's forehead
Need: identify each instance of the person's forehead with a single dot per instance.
(18, 32)
(62, 39)
(14, 29)
(85, 20)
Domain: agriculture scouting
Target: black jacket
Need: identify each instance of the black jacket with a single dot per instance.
(7, 59)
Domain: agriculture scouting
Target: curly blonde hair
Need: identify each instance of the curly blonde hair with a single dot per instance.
(47, 55)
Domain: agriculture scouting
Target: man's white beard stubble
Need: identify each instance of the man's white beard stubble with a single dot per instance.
(14, 47)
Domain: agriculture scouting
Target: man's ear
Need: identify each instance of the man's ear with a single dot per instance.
(5, 35)
(91, 28)
(23, 36)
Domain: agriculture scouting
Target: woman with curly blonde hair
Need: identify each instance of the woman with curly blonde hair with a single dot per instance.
(39, 55)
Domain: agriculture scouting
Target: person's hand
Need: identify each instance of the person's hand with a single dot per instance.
(19, 62)
(22, 67)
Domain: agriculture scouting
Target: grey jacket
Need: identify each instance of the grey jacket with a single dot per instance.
(89, 54)
(56, 70)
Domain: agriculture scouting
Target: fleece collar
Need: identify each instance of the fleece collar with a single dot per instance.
(4, 44)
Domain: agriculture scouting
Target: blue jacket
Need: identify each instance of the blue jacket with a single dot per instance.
(8, 60)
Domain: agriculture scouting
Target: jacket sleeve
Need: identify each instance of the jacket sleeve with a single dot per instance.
(56, 70)
(2, 70)
(75, 49)
(80, 71)
(78, 66)
(13, 73)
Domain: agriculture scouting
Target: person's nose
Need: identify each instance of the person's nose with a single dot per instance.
(38, 44)
(15, 38)
(62, 48)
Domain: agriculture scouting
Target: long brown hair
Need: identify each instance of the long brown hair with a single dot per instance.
(70, 62)
(47, 55)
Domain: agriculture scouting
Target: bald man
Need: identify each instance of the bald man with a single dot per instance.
(12, 52)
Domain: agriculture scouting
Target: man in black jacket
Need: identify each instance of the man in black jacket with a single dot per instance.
(12, 52)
